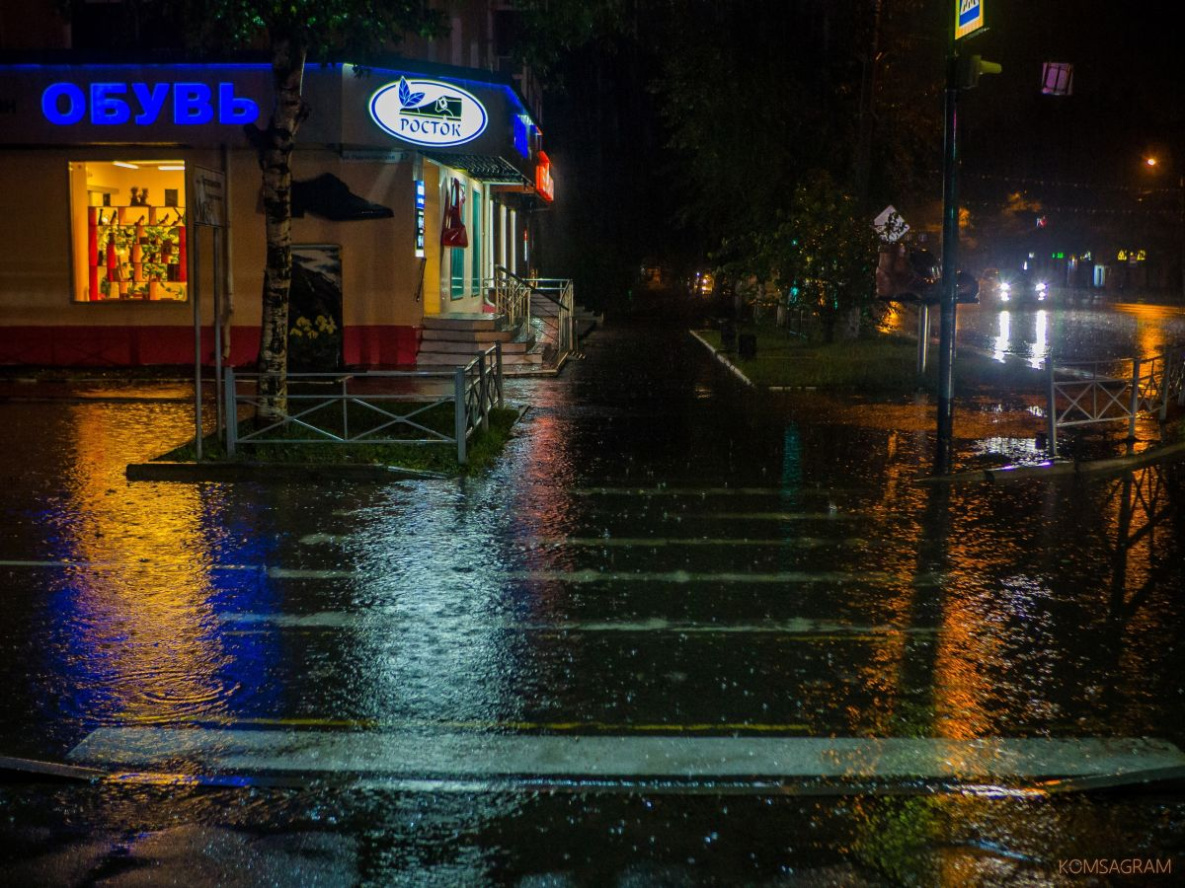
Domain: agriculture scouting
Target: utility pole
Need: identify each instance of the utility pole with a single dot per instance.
(961, 73)
(950, 263)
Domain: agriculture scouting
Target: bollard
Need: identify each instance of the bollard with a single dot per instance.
(460, 423)
(1135, 401)
(498, 371)
(232, 411)
(1051, 413)
(1164, 395)
(923, 338)
(483, 394)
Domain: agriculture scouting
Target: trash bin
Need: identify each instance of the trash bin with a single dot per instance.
(747, 346)
(728, 336)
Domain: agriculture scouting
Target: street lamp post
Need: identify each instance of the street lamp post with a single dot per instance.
(1181, 220)
(1152, 163)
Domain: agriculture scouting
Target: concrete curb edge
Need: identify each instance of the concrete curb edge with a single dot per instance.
(720, 356)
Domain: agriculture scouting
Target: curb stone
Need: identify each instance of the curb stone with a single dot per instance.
(187, 472)
(720, 356)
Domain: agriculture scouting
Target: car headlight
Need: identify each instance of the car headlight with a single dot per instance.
(1042, 287)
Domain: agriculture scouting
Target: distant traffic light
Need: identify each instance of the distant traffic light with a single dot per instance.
(971, 67)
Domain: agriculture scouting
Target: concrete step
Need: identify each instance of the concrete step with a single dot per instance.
(515, 360)
(446, 362)
(463, 322)
(461, 350)
(453, 334)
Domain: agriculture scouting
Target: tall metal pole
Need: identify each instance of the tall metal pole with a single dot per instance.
(950, 260)
(1182, 257)
(195, 294)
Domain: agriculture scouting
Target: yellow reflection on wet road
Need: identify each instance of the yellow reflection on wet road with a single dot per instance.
(1155, 331)
(143, 631)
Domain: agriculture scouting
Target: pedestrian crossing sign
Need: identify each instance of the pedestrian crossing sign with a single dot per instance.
(968, 17)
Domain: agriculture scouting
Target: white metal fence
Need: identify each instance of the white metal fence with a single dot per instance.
(369, 407)
(1090, 392)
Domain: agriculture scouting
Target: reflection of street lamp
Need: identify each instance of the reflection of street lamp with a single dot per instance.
(1152, 162)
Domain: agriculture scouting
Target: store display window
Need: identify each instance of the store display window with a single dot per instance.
(128, 230)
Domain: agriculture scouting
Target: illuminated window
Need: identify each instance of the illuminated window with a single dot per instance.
(128, 230)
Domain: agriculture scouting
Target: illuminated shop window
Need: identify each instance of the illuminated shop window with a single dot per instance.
(128, 230)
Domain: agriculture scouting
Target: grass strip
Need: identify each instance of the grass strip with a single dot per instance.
(879, 363)
(484, 448)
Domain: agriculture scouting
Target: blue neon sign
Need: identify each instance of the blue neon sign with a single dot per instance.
(114, 103)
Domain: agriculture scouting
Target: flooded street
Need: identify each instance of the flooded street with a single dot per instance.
(685, 633)
(1071, 330)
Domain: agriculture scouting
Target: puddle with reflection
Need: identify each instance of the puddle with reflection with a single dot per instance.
(1027, 611)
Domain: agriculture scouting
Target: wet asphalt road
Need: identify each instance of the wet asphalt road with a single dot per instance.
(1071, 328)
(663, 557)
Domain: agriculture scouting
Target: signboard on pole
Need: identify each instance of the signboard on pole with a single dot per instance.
(968, 17)
(207, 198)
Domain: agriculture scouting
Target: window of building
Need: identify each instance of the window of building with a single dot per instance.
(128, 230)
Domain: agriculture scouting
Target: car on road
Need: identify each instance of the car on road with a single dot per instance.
(1023, 288)
(1014, 290)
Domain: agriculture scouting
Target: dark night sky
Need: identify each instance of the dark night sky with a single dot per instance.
(1127, 90)
(1127, 103)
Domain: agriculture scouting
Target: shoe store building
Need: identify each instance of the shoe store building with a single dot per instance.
(130, 200)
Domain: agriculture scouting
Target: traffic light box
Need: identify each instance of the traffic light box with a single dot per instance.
(969, 68)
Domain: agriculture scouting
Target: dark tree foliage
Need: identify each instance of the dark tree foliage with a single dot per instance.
(729, 106)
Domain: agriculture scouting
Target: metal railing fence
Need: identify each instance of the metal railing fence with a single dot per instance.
(353, 408)
(510, 296)
(562, 293)
(1088, 392)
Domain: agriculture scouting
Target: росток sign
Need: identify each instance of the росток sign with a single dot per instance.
(428, 112)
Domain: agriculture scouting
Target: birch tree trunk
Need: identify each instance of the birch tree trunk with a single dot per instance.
(275, 152)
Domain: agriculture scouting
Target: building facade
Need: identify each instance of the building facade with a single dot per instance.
(130, 198)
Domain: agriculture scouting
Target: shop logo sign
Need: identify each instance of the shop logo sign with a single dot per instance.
(428, 112)
(144, 104)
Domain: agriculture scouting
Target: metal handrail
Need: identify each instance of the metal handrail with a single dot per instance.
(477, 389)
(511, 296)
(562, 293)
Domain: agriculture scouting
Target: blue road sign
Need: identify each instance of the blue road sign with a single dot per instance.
(968, 17)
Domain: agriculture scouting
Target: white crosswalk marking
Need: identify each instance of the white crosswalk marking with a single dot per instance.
(468, 755)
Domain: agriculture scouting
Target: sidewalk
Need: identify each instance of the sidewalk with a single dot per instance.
(1093, 460)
